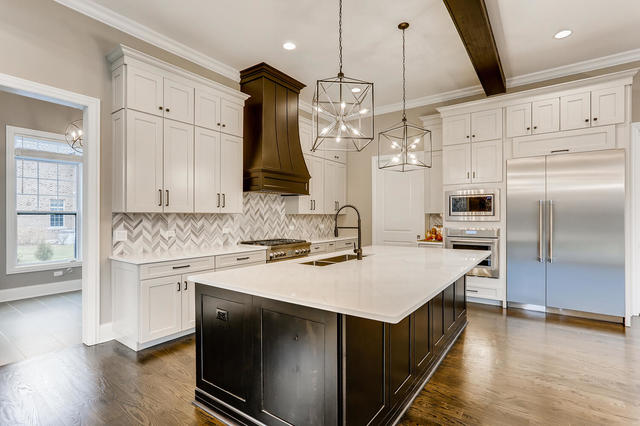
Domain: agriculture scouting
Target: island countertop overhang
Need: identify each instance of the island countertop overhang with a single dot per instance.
(387, 285)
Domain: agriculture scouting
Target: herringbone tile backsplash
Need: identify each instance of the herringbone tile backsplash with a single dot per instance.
(263, 217)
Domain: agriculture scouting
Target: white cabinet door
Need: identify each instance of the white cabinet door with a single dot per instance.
(339, 156)
(178, 167)
(575, 111)
(456, 129)
(144, 91)
(231, 174)
(330, 186)
(207, 108)
(545, 116)
(144, 170)
(486, 125)
(456, 164)
(486, 161)
(433, 185)
(607, 106)
(341, 185)
(231, 115)
(316, 184)
(160, 307)
(206, 191)
(188, 304)
(178, 101)
(518, 120)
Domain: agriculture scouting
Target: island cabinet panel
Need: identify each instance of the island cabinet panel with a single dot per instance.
(400, 351)
(224, 344)
(364, 370)
(422, 342)
(437, 319)
(293, 362)
(449, 303)
(460, 297)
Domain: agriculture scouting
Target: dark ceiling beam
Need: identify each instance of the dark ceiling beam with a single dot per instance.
(472, 22)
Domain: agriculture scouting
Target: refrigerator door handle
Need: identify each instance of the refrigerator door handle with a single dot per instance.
(550, 249)
(540, 225)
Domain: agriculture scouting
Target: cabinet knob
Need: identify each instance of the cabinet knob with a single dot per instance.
(467, 136)
(217, 124)
(586, 120)
(595, 118)
(528, 128)
(535, 127)
(224, 125)
(473, 136)
(166, 109)
(160, 107)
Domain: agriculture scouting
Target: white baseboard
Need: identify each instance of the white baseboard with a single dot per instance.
(9, 294)
(484, 301)
(106, 332)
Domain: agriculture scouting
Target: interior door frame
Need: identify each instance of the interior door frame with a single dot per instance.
(91, 191)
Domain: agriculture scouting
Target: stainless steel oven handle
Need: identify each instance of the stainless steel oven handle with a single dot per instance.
(540, 224)
(473, 241)
(550, 231)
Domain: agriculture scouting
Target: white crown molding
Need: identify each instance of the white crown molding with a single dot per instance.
(131, 27)
(535, 77)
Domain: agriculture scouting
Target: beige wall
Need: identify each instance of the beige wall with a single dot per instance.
(19, 111)
(43, 41)
(359, 170)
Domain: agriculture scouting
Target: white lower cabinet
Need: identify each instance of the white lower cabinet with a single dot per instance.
(161, 302)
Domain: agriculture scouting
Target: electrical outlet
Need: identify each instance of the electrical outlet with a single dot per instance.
(58, 273)
(119, 235)
(171, 233)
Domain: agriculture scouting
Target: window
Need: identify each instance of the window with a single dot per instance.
(44, 199)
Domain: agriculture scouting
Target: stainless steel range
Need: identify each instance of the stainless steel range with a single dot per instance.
(281, 248)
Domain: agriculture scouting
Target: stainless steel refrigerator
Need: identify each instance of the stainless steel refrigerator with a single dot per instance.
(565, 232)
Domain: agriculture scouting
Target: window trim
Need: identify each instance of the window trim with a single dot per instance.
(11, 200)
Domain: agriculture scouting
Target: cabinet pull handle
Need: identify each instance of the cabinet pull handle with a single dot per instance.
(166, 109)
(586, 120)
(314, 204)
(595, 118)
(467, 136)
(160, 107)
(242, 258)
(224, 200)
(535, 127)
(559, 150)
(181, 266)
(473, 136)
(185, 286)
(471, 291)
(224, 125)
(218, 200)
(217, 124)
(528, 128)
(160, 198)
(474, 174)
(167, 200)
(467, 175)
(178, 286)
(310, 204)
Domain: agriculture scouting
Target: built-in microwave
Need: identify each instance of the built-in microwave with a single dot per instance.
(473, 205)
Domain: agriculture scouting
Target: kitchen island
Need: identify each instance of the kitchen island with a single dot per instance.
(317, 341)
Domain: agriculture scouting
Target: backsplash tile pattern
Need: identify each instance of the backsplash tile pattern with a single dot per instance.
(263, 217)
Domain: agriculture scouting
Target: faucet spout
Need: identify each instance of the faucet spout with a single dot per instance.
(357, 250)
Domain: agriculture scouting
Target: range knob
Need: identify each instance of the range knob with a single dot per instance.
(297, 251)
(271, 255)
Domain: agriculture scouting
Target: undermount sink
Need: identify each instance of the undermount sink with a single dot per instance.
(332, 260)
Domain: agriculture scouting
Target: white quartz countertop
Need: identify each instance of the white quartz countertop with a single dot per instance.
(332, 239)
(169, 256)
(387, 285)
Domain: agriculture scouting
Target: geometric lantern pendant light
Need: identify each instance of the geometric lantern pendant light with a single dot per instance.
(343, 118)
(404, 146)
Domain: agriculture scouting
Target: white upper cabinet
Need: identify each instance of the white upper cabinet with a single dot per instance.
(144, 165)
(456, 129)
(486, 125)
(545, 116)
(607, 106)
(144, 90)
(178, 100)
(339, 156)
(335, 186)
(207, 171)
(314, 202)
(178, 167)
(433, 185)
(231, 174)
(575, 111)
(486, 161)
(207, 108)
(306, 137)
(518, 120)
(231, 115)
(456, 164)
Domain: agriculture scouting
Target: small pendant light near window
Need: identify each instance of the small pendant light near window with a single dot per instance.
(342, 109)
(74, 135)
(404, 146)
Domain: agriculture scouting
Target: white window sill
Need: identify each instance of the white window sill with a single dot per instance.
(42, 267)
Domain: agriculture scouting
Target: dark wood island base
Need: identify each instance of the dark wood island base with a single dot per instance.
(261, 361)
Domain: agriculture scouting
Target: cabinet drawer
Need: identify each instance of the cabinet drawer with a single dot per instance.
(331, 246)
(345, 244)
(484, 292)
(228, 260)
(319, 248)
(186, 266)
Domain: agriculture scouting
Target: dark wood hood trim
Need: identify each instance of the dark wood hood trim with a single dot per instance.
(273, 159)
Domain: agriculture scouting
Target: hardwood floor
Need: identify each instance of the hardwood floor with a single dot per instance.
(35, 326)
(515, 368)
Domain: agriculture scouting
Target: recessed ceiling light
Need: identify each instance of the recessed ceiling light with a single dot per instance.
(289, 45)
(562, 34)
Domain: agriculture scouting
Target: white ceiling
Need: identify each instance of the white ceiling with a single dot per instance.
(241, 33)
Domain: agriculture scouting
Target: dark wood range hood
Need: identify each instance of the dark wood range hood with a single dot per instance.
(273, 160)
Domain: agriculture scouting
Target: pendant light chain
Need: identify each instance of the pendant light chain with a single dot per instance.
(404, 81)
(340, 34)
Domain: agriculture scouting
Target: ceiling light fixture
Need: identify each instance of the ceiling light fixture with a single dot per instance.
(74, 135)
(414, 142)
(289, 45)
(562, 34)
(347, 104)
